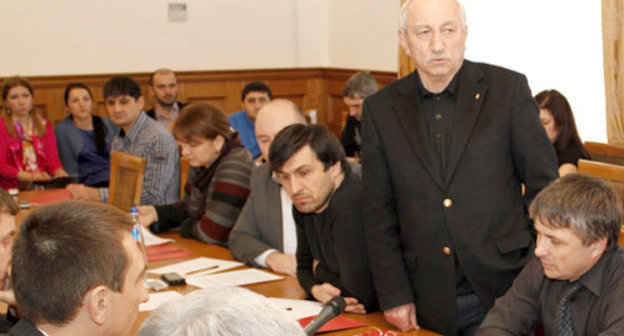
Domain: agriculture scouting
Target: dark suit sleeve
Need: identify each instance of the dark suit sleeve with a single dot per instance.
(380, 222)
(517, 312)
(347, 138)
(245, 239)
(305, 260)
(533, 153)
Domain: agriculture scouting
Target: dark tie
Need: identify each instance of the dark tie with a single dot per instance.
(563, 317)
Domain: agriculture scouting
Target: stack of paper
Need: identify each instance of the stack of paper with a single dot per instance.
(151, 239)
(298, 309)
(234, 278)
(200, 265)
(157, 299)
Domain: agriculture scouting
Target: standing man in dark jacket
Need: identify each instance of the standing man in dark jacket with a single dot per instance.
(445, 152)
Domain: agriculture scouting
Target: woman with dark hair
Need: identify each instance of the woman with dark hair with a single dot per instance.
(84, 139)
(556, 117)
(27, 144)
(218, 181)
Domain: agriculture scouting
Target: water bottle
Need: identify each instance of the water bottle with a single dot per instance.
(137, 232)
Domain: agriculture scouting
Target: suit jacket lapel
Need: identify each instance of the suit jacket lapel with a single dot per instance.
(413, 124)
(470, 97)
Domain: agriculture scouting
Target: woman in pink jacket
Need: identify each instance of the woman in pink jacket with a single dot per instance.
(27, 143)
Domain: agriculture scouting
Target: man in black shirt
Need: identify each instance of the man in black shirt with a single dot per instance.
(577, 219)
(357, 88)
(326, 195)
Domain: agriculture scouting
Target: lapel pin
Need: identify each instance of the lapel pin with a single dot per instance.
(477, 96)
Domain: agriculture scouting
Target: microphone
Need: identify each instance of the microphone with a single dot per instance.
(331, 309)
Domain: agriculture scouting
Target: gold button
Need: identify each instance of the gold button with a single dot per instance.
(446, 250)
(447, 203)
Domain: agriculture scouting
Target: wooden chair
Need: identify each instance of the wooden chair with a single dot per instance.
(184, 169)
(126, 180)
(614, 174)
(605, 153)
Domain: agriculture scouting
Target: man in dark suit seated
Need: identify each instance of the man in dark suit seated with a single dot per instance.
(264, 234)
(8, 210)
(575, 283)
(76, 270)
(445, 151)
(357, 88)
(163, 86)
(311, 166)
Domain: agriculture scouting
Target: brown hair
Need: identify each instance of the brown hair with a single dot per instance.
(584, 203)
(200, 120)
(7, 203)
(38, 122)
(61, 252)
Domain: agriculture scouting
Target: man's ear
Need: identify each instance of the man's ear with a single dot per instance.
(141, 102)
(335, 170)
(598, 247)
(403, 41)
(97, 300)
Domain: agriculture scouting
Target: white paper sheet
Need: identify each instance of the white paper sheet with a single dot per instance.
(298, 309)
(151, 239)
(157, 299)
(233, 278)
(197, 264)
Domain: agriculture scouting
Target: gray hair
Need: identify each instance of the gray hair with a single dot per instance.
(220, 311)
(403, 14)
(360, 85)
(583, 203)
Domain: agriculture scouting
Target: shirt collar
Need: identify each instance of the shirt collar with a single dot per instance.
(451, 88)
(175, 110)
(592, 280)
(135, 129)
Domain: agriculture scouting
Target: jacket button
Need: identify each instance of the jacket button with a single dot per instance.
(447, 203)
(446, 250)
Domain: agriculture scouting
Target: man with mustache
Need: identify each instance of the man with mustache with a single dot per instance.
(326, 195)
(445, 152)
(163, 86)
(574, 285)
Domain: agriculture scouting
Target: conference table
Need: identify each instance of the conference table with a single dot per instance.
(286, 288)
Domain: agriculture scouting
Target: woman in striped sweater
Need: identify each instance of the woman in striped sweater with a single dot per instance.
(218, 182)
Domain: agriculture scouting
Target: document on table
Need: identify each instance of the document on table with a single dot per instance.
(151, 239)
(158, 299)
(233, 278)
(203, 264)
(298, 309)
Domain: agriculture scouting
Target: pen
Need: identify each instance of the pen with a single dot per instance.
(203, 269)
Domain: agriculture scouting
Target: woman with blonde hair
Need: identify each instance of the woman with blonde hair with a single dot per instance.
(27, 143)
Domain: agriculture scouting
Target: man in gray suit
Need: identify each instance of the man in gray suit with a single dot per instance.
(264, 234)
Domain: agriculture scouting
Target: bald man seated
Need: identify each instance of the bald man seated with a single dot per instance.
(264, 234)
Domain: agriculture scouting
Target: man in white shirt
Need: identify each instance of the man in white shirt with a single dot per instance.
(264, 234)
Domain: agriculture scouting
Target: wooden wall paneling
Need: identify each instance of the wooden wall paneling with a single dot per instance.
(310, 88)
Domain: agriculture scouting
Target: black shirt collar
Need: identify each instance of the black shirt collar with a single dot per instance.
(450, 89)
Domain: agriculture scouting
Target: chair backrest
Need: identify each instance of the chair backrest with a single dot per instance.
(614, 174)
(605, 152)
(184, 169)
(126, 180)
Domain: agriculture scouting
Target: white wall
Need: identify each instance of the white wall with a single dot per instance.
(556, 43)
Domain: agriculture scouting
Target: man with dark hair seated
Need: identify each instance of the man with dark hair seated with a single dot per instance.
(140, 136)
(575, 285)
(76, 270)
(311, 166)
(8, 210)
(253, 97)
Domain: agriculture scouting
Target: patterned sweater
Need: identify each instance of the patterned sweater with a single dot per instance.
(213, 200)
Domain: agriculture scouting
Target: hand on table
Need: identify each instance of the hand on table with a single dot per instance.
(402, 317)
(60, 173)
(147, 215)
(25, 176)
(82, 192)
(282, 263)
(327, 291)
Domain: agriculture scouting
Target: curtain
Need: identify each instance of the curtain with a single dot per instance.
(613, 54)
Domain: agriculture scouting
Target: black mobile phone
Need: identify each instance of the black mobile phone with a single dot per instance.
(173, 279)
